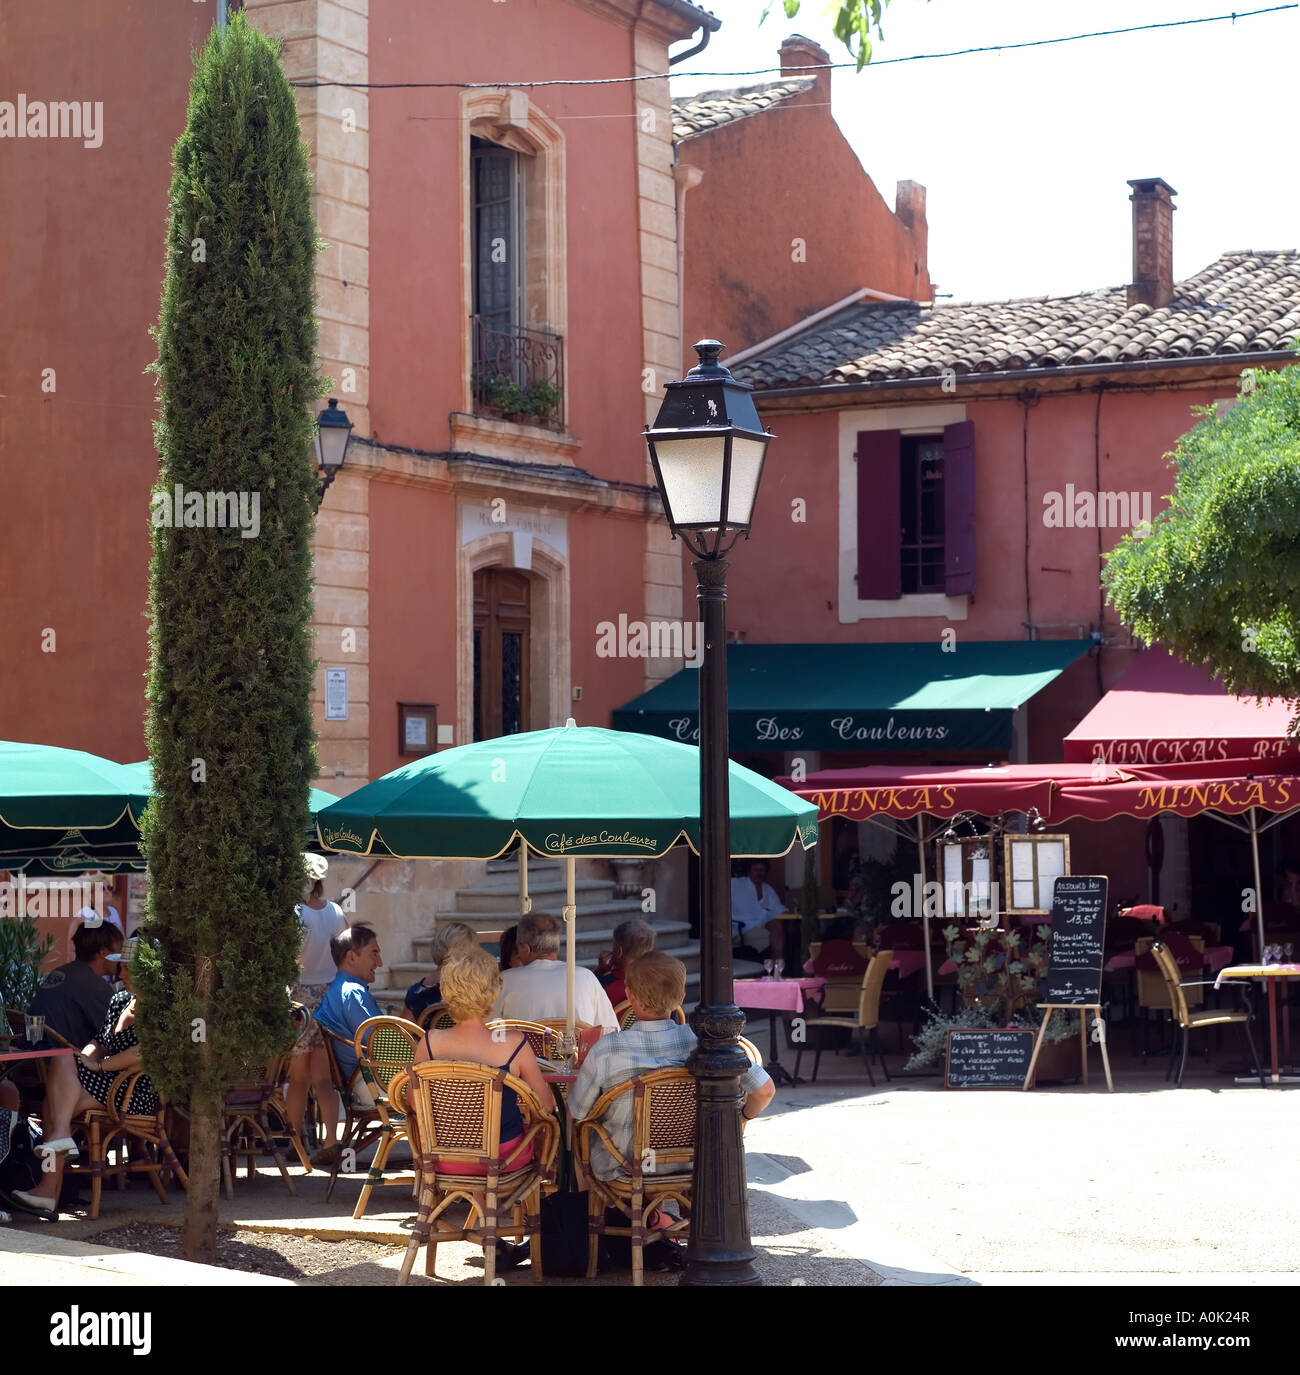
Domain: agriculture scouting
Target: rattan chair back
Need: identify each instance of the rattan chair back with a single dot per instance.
(436, 1018)
(1153, 984)
(628, 1018)
(1173, 981)
(383, 1046)
(873, 981)
(543, 1037)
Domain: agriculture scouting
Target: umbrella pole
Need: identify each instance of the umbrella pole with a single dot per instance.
(1259, 892)
(925, 911)
(525, 902)
(571, 943)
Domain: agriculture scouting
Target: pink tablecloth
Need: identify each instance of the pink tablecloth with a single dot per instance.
(781, 995)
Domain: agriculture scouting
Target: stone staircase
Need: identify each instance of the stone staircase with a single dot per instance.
(492, 904)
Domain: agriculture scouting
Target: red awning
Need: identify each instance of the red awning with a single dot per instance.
(1059, 792)
(940, 790)
(1163, 711)
(1229, 787)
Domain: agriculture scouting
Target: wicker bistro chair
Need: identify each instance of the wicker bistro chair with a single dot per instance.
(663, 1136)
(1152, 989)
(385, 1047)
(109, 1126)
(455, 1110)
(865, 1020)
(436, 1018)
(1187, 1020)
(362, 1123)
(626, 1017)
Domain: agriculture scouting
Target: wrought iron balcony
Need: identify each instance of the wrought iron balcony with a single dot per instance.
(518, 374)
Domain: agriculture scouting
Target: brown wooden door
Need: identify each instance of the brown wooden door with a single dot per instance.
(501, 653)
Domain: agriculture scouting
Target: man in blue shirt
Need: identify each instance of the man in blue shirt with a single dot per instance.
(347, 1003)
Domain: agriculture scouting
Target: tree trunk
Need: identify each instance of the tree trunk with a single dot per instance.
(199, 1242)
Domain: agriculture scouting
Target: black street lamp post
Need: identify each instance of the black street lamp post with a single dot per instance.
(707, 447)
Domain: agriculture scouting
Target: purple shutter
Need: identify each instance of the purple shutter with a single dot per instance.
(959, 509)
(880, 563)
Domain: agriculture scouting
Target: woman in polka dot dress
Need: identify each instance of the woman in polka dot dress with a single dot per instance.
(116, 1049)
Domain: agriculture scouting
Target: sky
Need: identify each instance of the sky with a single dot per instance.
(1026, 155)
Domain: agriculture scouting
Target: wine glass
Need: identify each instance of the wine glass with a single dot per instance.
(767, 969)
(780, 969)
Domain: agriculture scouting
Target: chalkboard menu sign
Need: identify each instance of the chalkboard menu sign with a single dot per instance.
(1078, 941)
(988, 1059)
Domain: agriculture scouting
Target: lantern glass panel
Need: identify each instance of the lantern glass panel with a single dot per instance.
(691, 473)
(746, 468)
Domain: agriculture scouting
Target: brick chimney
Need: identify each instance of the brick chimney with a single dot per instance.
(1153, 243)
(798, 51)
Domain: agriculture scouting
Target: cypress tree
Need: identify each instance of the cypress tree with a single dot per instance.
(229, 717)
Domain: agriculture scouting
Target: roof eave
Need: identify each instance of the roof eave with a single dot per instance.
(945, 385)
(693, 14)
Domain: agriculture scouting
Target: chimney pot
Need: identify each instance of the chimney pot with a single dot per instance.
(798, 52)
(1153, 242)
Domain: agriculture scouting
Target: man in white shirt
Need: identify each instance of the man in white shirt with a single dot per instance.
(753, 905)
(536, 989)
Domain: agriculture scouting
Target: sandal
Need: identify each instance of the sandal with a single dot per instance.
(59, 1146)
(33, 1203)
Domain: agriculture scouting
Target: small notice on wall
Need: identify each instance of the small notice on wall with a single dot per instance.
(336, 694)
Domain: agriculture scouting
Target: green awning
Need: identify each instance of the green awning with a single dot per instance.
(869, 697)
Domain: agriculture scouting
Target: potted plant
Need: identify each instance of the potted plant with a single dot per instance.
(998, 976)
(542, 402)
(23, 950)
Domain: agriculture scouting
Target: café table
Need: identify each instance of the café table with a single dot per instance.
(9, 1055)
(776, 996)
(1272, 975)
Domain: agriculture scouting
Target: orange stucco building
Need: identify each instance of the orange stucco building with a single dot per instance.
(779, 218)
(498, 305)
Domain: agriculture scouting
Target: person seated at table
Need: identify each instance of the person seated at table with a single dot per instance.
(10, 1106)
(471, 983)
(509, 949)
(347, 1003)
(753, 905)
(631, 939)
(74, 1000)
(450, 938)
(115, 1048)
(537, 988)
(656, 983)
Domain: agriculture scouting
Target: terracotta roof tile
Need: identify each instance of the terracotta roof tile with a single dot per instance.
(1243, 303)
(697, 114)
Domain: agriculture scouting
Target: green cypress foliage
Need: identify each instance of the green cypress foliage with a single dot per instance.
(230, 723)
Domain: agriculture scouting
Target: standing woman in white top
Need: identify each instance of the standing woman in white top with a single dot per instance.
(310, 1063)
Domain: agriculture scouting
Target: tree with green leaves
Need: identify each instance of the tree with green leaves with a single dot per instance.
(855, 21)
(1217, 579)
(229, 690)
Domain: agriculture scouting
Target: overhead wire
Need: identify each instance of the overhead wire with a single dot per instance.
(1231, 17)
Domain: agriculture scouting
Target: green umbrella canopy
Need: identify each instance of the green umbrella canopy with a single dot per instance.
(56, 790)
(575, 791)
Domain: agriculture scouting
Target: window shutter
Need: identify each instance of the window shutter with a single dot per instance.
(880, 574)
(959, 508)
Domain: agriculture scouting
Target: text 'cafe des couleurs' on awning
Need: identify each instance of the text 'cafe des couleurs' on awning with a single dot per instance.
(1160, 785)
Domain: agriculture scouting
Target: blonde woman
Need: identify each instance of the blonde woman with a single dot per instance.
(471, 982)
(450, 938)
(309, 1064)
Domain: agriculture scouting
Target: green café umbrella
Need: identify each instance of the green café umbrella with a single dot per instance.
(572, 792)
(46, 792)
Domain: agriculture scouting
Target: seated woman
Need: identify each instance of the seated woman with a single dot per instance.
(470, 984)
(450, 938)
(115, 1049)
